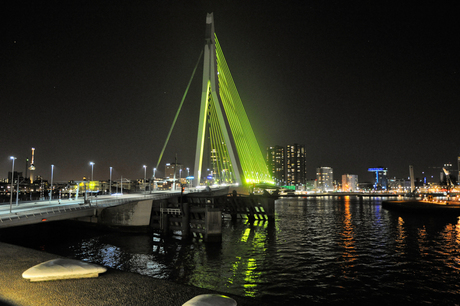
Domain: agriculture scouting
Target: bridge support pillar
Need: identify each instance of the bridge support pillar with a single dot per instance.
(213, 224)
(164, 218)
(185, 220)
(268, 204)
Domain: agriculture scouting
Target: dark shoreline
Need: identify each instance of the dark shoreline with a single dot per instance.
(111, 288)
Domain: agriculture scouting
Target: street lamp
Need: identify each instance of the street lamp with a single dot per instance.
(145, 176)
(110, 184)
(12, 182)
(188, 175)
(92, 168)
(51, 190)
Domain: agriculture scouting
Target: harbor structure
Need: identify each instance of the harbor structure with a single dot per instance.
(381, 180)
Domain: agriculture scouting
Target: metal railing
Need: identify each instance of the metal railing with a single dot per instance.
(67, 208)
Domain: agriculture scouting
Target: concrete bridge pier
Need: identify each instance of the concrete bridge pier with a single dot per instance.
(213, 224)
(185, 220)
(164, 218)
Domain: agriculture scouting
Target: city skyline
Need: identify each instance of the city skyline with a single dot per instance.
(359, 87)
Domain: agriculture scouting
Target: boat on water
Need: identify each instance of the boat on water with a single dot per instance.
(427, 205)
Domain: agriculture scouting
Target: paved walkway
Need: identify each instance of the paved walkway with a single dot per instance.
(111, 288)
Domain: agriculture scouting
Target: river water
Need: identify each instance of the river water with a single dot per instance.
(318, 250)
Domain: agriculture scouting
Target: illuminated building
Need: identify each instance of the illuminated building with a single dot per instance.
(275, 163)
(324, 179)
(169, 170)
(349, 182)
(442, 174)
(381, 181)
(295, 165)
(287, 165)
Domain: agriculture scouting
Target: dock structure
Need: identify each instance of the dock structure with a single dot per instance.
(196, 214)
(200, 214)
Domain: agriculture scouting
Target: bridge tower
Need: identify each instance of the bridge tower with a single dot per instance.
(224, 131)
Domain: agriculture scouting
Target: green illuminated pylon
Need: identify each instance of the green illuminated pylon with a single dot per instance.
(222, 110)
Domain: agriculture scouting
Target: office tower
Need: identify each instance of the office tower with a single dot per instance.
(275, 163)
(324, 179)
(295, 172)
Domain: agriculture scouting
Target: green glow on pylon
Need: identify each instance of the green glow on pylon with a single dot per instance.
(220, 158)
(252, 161)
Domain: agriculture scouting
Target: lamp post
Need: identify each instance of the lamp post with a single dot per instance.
(17, 192)
(110, 183)
(92, 168)
(145, 176)
(51, 188)
(12, 182)
(188, 175)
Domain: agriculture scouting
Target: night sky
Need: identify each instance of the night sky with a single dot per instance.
(360, 86)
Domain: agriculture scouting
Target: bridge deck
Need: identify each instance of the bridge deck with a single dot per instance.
(42, 211)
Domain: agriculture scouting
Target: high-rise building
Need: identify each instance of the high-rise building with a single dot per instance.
(295, 165)
(275, 163)
(324, 179)
(287, 165)
(349, 182)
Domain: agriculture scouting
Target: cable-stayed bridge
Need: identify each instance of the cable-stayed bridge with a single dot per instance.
(234, 154)
(226, 146)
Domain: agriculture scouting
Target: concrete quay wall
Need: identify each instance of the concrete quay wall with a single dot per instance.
(111, 288)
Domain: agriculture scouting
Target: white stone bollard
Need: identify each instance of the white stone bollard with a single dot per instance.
(62, 268)
(210, 300)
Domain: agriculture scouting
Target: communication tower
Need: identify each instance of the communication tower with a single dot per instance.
(32, 166)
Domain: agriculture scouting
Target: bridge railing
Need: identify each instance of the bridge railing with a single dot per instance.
(118, 201)
(46, 211)
(60, 208)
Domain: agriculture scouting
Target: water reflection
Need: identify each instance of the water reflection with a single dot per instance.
(321, 250)
(348, 242)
